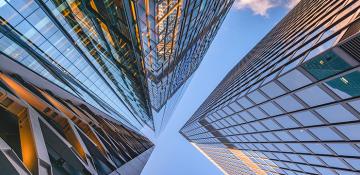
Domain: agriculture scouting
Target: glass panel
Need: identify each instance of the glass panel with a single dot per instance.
(272, 90)
(325, 134)
(346, 86)
(335, 114)
(270, 108)
(325, 65)
(344, 149)
(286, 122)
(257, 113)
(351, 131)
(294, 79)
(302, 135)
(317, 148)
(288, 103)
(314, 96)
(257, 97)
(307, 118)
(245, 102)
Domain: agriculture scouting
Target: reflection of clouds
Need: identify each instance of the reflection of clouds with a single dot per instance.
(261, 7)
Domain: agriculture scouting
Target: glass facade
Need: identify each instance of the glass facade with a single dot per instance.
(77, 45)
(45, 132)
(290, 106)
(175, 36)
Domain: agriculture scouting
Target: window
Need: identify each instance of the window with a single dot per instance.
(335, 114)
(245, 102)
(344, 149)
(351, 131)
(288, 103)
(271, 109)
(257, 97)
(302, 135)
(317, 148)
(257, 113)
(286, 122)
(294, 80)
(272, 90)
(325, 134)
(314, 96)
(325, 65)
(307, 118)
(346, 86)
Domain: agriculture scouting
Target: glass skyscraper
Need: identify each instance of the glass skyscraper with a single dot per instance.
(127, 58)
(291, 105)
(174, 37)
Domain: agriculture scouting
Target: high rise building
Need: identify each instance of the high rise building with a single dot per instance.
(45, 129)
(291, 105)
(174, 36)
(73, 96)
(127, 58)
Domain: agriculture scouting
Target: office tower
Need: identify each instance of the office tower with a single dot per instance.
(174, 36)
(46, 130)
(73, 97)
(291, 105)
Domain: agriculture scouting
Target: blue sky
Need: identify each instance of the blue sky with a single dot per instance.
(244, 26)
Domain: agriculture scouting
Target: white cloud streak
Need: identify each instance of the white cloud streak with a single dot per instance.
(261, 7)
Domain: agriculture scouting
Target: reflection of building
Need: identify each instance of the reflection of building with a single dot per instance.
(292, 105)
(46, 130)
(174, 36)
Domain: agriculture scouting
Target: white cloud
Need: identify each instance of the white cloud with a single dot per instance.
(261, 7)
(291, 3)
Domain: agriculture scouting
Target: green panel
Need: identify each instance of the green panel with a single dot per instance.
(326, 65)
(348, 84)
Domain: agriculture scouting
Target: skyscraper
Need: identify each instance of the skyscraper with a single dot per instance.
(291, 105)
(174, 36)
(46, 130)
(73, 96)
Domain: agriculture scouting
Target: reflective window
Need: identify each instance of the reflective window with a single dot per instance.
(284, 136)
(286, 122)
(354, 163)
(326, 65)
(325, 134)
(288, 103)
(335, 114)
(355, 105)
(269, 123)
(246, 116)
(294, 79)
(236, 107)
(314, 96)
(272, 90)
(352, 131)
(270, 108)
(307, 118)
(346, 86)
(244, 102)
(302, 135)
(257, 113)
(257, 97)
(343, 149)
(317, 148)
(9, 14)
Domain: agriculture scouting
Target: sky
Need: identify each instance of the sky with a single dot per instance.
(246, 23)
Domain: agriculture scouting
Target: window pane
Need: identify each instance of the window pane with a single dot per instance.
(335, 114)
(346, 86)
(351, 131)
(272, 90)
(257, 97)
(294, 79)
(288, 103)
(271, 109)
(325, 134)
(314, 96)
(307, 118)
(325, 65)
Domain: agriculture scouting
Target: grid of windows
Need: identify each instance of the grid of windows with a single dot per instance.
(293, 98)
